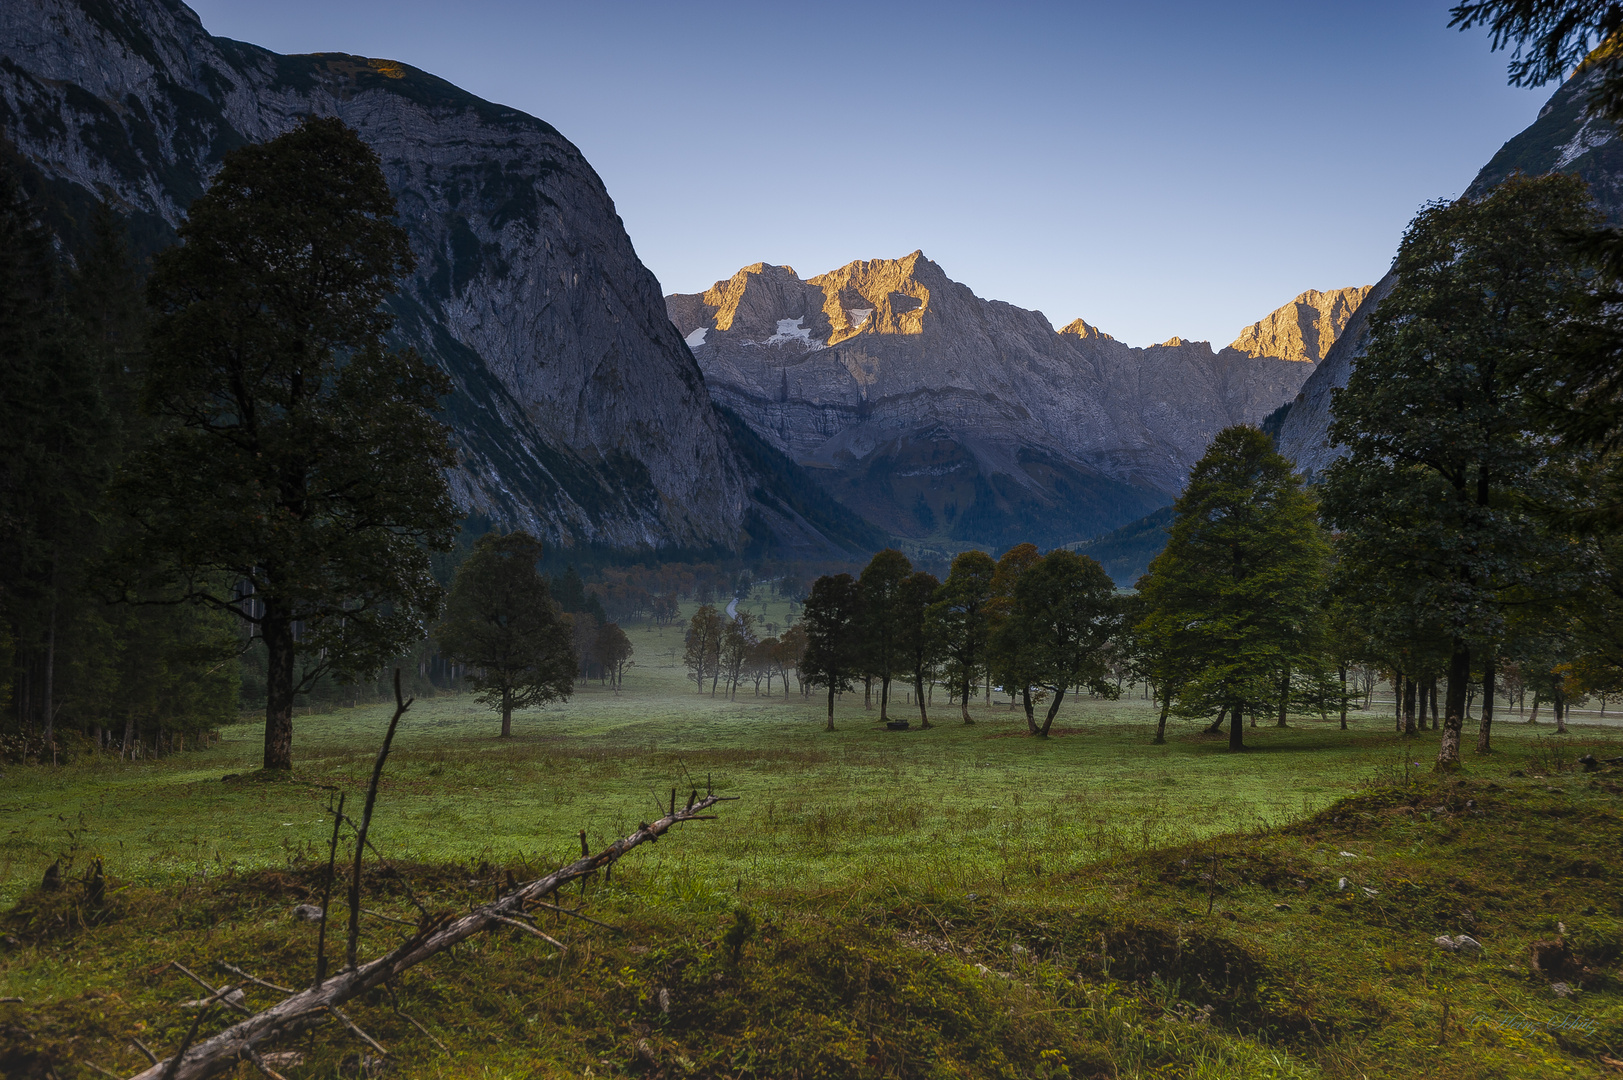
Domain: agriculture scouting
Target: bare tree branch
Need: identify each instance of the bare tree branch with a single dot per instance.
(307, 1008)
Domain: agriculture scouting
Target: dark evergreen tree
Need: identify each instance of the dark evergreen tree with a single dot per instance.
(1236, 599)
(298, 458)
(919, 648)
(832, 621)
(884, 621)
(958, 622)
(1005, 661)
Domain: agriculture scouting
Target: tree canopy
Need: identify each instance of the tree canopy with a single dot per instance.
(501, 621)
(832, 621)
(1235, 602)
(298, 479)
(1444, 456)
(1060, 623)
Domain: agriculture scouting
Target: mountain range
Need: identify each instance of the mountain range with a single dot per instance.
(816, 416)
(940, 415)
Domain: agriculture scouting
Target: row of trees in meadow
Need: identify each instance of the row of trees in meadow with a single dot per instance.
(1469, 541)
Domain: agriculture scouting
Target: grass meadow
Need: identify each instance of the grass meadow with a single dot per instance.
(959, 901)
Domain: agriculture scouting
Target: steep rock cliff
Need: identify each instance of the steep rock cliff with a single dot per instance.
(1302, 435)
(578, 411)
(1562, 138)
(936, 413)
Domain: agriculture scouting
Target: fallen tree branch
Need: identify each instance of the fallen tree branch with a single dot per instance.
(576, 914)
(356, 1031)
(304, 1010)
(528, 929)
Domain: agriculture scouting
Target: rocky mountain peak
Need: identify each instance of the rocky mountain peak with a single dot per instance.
(1081, 329)
(1304, 329)
(880, 296)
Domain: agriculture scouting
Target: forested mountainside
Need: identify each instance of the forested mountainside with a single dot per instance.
(938, 414)
(578, 412)
(1563, 139)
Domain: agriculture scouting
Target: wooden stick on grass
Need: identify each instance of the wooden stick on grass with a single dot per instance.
(400, 707)
(326, 893)
(307, 1008)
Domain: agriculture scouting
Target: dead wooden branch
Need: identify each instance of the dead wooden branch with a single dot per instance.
(305, 1009)
(245, 977)
(429, 1035)
(387, 918)
(263, 1067)
(220, 996)
(527, 928)
(356, 1031)
(400, 706)
(326, 895)
(576, 914)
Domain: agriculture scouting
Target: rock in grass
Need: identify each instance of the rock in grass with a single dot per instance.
(1282, 907)
(1561, 989)
(1458, 943)
(307, 912)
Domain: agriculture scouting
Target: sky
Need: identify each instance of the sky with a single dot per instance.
(1157, 168)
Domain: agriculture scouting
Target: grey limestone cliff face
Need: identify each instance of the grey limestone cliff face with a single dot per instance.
(1303, 436)
(937, 413)
(578, 411)
(1563, 138)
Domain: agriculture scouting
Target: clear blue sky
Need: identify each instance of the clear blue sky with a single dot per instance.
(1156, 168)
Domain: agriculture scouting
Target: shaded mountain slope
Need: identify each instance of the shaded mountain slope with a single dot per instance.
(578, 412)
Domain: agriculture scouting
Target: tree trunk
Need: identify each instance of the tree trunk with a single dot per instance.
(1411, 689)
(1432, 687)
(1053, 709)
(963, 700)
(1161, 726)
(1284, 696)
(1343, 697)
(277, 630)
(507, 714)
(884, 697)
(1558, 702)
(1459, 674)
(1533, 717)
(1397, 701)
(1217, 725)
(1031, 712)
(918, 692)
(1485, 726)
(50, 673)
(830, 726)
(1236, 727)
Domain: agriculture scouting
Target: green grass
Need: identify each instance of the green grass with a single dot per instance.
(959, 901)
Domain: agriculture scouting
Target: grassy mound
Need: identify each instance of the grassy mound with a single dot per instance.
(1304, 951)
